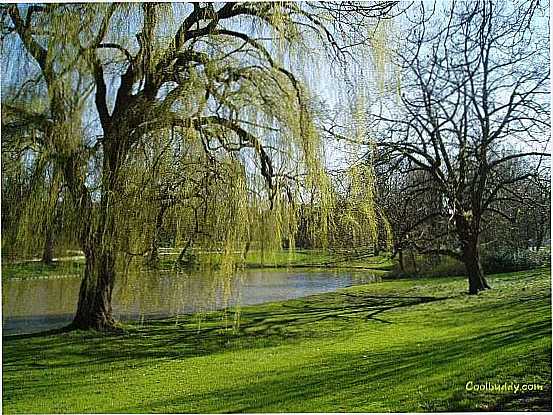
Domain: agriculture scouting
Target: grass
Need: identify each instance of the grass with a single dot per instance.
(310, 258)
(36, 269)
(401, 345)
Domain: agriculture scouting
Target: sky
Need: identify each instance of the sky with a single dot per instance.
(339, 88)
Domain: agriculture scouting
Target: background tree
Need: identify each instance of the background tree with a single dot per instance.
(523, 221)
(34, 197)
(474, 97)
(406, 209)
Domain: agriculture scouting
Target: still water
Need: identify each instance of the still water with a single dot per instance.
(41, 304)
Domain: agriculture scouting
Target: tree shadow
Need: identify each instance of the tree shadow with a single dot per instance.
(199, 335)
(365, 377)
(360, 376)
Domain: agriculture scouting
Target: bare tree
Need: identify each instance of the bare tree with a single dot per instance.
(406, 201)
(523, 219)
(474, 97)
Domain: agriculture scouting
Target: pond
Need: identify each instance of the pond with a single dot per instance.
(39, 304)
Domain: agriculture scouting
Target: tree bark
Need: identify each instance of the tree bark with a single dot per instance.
(475, 273)
(471, 258)
(401, 261)
(414, 261)
(540, 236)
(94, 310)
(99, 244)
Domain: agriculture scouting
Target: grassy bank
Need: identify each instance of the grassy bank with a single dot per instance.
(300, 258)
(254, 259)
(310, 258)
(405, 345)
(36, 269)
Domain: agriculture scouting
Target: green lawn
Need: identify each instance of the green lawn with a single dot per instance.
(400, 345)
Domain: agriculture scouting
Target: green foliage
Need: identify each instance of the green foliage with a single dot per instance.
(232, 144)
(499, 260)
(429, 265)
(507, 260)
(400, 346)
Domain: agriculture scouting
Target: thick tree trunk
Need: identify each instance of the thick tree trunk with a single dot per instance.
(468, 232)
(94, 309)
(99, 244)
(477, 281)
(473, 266)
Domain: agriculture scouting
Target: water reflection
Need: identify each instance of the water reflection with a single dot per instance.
(41, 304)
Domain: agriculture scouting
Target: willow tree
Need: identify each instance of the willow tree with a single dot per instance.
(221, 74)
(33, 194)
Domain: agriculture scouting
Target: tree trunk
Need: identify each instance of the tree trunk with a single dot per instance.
(401, 261)
(99, 244)
(414, 261)
(153, 256)
(475, 274)
(182, 254)
(48, 249)
(473, 266)
(94, 309)
(246, 250)
(540, 236)
(50, 224)
(469, 236)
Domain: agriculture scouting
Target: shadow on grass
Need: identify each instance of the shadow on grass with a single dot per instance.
(199, 335)
(424, 376)
(433, 374)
